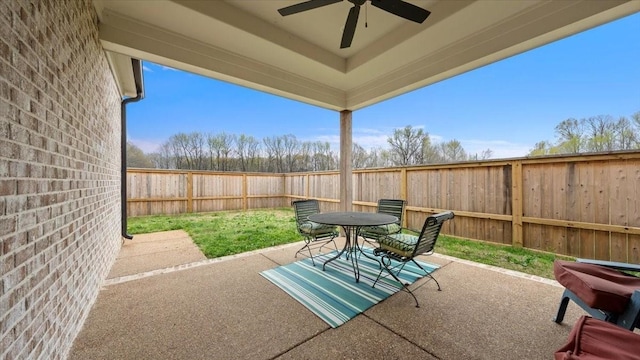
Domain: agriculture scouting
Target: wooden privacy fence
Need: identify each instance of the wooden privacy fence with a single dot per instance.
(583, 206)
(152, 192)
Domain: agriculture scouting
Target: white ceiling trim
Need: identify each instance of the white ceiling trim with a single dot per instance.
(124, 35)
(122, 70)
(230, 15)
(249, 44)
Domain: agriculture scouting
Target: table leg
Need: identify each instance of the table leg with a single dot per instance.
(345, 248)
(350, 249)
(360, 248)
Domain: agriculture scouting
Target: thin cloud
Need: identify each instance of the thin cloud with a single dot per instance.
(368, 139)
(151, 67)
(163, 67)
(500, 148)
(146, 145)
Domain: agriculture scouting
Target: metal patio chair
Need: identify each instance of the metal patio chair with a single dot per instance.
(404, 248)
(394, 207)
(316, 236)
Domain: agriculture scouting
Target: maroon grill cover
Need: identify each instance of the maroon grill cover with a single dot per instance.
(592, 339)
(598, 286)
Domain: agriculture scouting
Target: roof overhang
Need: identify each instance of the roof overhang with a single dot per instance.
(127, 73)
(248, 43)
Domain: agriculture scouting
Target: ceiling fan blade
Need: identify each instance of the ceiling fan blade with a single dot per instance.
(402, 9)
(304, 6)
(350, 27)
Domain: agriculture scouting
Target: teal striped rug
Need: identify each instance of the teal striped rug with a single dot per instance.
(333, 294)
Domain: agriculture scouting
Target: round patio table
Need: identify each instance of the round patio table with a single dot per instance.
(352, 222)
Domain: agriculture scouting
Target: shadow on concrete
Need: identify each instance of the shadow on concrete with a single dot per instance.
(163, 300)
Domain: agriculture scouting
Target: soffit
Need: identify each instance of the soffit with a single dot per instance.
(248, 43)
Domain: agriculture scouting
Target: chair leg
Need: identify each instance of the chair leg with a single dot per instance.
(385, 266)
(595, 313)
(306, 246)
(361, 251)
(562, 309)
(428, 274)
(311, 245)
(327, 243)
(368, 242)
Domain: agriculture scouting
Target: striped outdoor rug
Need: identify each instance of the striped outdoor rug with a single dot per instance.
(333, 294)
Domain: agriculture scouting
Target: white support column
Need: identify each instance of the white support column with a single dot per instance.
(346, 141)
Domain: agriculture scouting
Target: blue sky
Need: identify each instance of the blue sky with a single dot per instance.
(507, 106)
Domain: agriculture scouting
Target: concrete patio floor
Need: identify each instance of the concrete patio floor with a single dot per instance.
(163, 300)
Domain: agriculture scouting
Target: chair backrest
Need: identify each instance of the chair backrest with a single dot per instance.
(430, 231)
(304, 208)
(394, 207)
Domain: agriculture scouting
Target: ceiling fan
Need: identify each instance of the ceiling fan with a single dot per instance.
(397, 7)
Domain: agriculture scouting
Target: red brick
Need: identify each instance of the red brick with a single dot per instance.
(8, 224)
(7, 263)
(8, 187)
(57, 102)
(24, 254)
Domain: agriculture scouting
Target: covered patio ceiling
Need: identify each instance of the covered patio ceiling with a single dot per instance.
(247, 42)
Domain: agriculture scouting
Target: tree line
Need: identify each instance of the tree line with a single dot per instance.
(406, 146)
(594, 134)
(285, 153)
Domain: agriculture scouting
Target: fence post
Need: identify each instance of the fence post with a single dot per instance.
(244, 193)
(283, 190)
(517, 193)
(307, 186)
(189, 192)
(403, 194)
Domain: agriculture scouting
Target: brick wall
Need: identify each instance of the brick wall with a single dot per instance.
(59, 173)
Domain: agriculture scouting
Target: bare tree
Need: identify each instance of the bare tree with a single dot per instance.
(406, 145)
(635, 118)
(323, 157)
(245, 148)
(188, 150)
(164, 157)
(358, 156)
(626, 136)
(453, 151)
(386, 158)
(305, 156)
(484, 155)
(180, 149)
(597, 133)
(285, 153)
(220, 146)
(379, 157)
(196, 146)
(274, 149)
(570, 135)
(601, 133)
(291, 151)
(254, 150)
(431, 154)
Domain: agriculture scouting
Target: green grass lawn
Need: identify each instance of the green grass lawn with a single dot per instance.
(231, 232)
(225, 233)
(507, 257)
